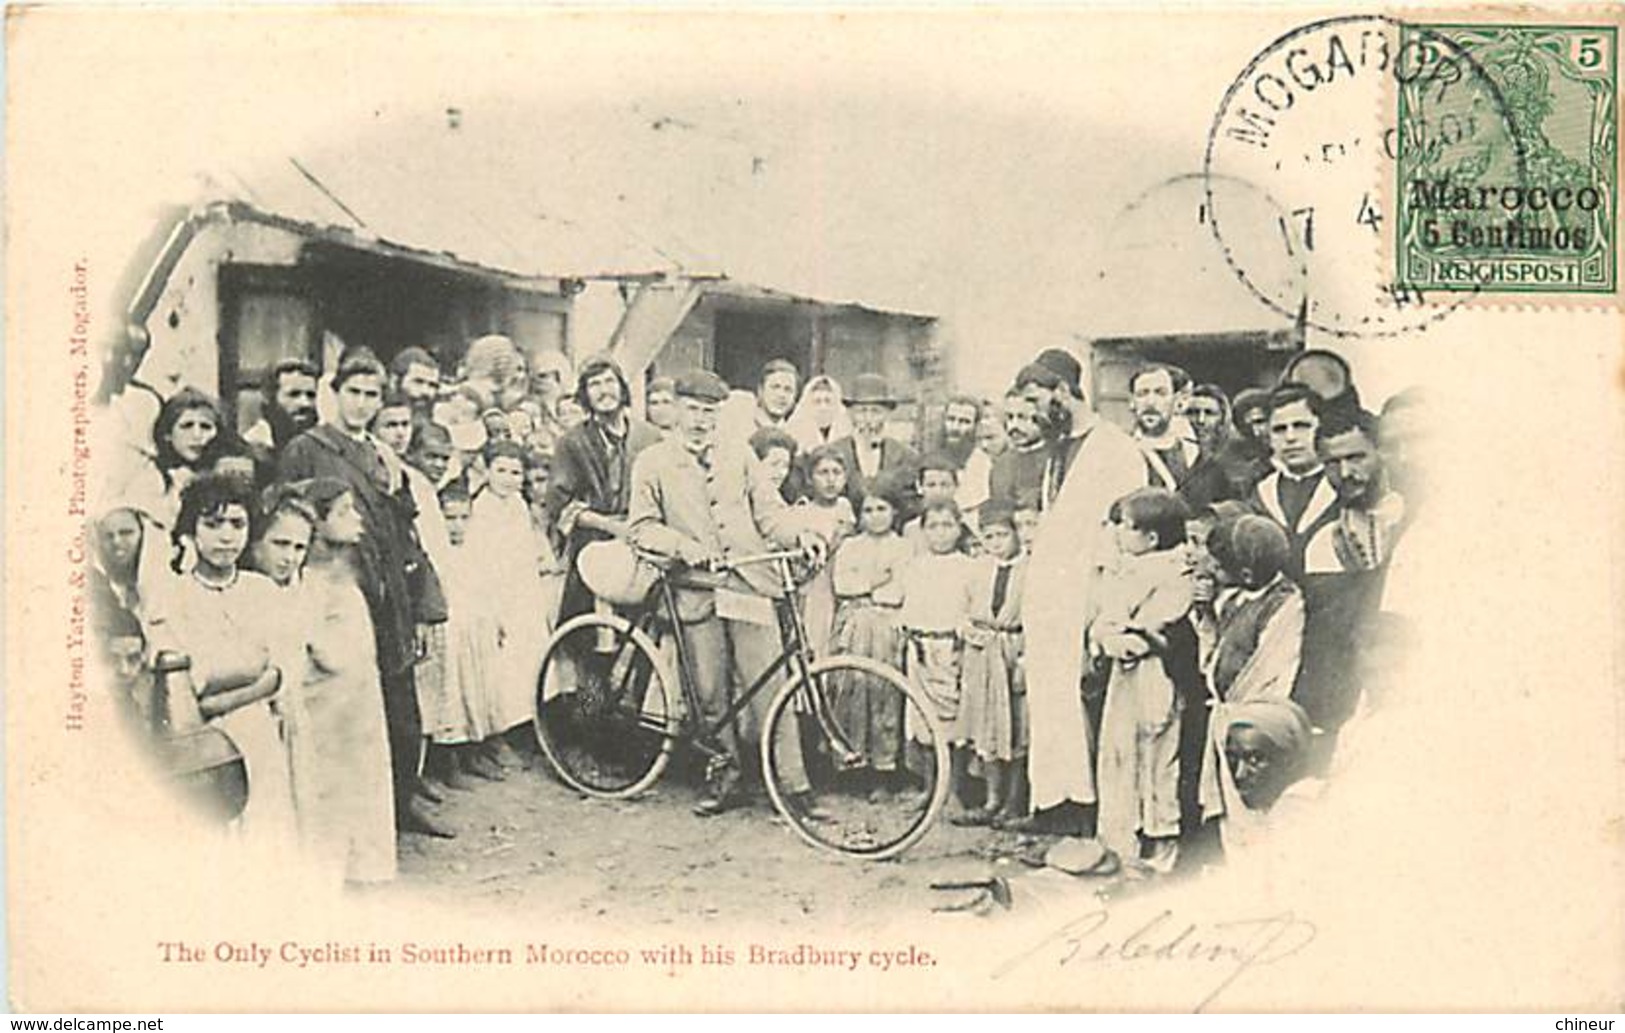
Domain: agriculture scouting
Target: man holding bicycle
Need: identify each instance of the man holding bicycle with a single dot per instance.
(702, 505)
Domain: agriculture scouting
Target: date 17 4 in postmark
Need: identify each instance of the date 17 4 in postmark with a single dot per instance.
(1522, 201)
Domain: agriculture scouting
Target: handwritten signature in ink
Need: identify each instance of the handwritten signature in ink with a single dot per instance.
(1234, 947)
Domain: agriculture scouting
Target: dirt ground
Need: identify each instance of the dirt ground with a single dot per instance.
(529, 845)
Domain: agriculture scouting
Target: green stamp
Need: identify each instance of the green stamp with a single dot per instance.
(1507, 159)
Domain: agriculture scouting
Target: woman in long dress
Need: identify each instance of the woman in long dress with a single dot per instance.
(226, 619)
(343, 779)
(866, 576)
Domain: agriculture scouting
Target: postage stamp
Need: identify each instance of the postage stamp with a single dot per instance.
(741, 510)
(1520, 202)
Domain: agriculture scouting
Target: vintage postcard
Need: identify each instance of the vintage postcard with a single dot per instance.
(814, 509)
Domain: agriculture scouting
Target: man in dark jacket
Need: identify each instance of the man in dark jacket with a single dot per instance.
(867, 451)
(592, 469)
(402, 591)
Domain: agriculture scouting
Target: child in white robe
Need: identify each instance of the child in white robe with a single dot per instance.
(506, 552)
(1149, 587)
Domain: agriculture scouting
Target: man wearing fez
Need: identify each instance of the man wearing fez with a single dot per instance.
(1246, 456)
(1093, 463)
(592, 472)
(700, 504)
(868, 452)
(1053, 383)
(402, 591)
(289, 406)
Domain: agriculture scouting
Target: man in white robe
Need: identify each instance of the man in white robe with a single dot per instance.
(1072, 544)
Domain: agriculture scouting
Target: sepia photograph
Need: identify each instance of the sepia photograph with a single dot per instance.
(814, 510)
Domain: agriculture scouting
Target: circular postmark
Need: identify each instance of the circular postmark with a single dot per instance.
(1318, 121)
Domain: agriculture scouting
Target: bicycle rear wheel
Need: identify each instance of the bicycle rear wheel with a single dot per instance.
(604, 716)
(846, 728)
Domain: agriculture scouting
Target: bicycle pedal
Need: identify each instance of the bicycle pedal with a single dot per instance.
(851, 761)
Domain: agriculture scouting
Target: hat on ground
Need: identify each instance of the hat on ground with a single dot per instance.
(871, 389)
(615, 573)
(1077, 856)
(701, 385)
(1065, 365)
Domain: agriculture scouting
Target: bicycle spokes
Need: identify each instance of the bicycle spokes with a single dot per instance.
(603, 716)
(857, 763)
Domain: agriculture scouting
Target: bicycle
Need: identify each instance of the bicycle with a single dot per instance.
(608, 722)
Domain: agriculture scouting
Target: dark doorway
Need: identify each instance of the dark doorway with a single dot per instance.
(388, 304)
(743, 340)
(1232, 361)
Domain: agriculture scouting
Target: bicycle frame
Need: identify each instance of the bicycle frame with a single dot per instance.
(795, 656)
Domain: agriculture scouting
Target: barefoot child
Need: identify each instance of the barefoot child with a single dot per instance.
(867, 577)
(993, 688)
(1148, 588)
(936, 604)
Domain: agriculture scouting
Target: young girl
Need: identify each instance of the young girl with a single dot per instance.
(866, 577)
(993, 687)
(1254, 662)
(1148, 588)
(278, 551)
(344, 782)
(472, 653)
(229, 621)
(936, 605)
(186, 437)
(827, 511)
(506, 552)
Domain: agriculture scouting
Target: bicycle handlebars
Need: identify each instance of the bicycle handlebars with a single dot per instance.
(733, 562)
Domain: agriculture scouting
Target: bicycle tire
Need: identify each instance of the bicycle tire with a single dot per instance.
(807, 828)
(585, 738)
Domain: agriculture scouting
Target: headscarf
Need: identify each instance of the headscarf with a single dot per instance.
(803, 421)
(1283, 722)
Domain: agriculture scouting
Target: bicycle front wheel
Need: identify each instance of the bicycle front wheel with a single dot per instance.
(604, 717)
(855, 759)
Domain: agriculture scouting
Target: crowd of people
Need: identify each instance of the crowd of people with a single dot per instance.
(1151, 636)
